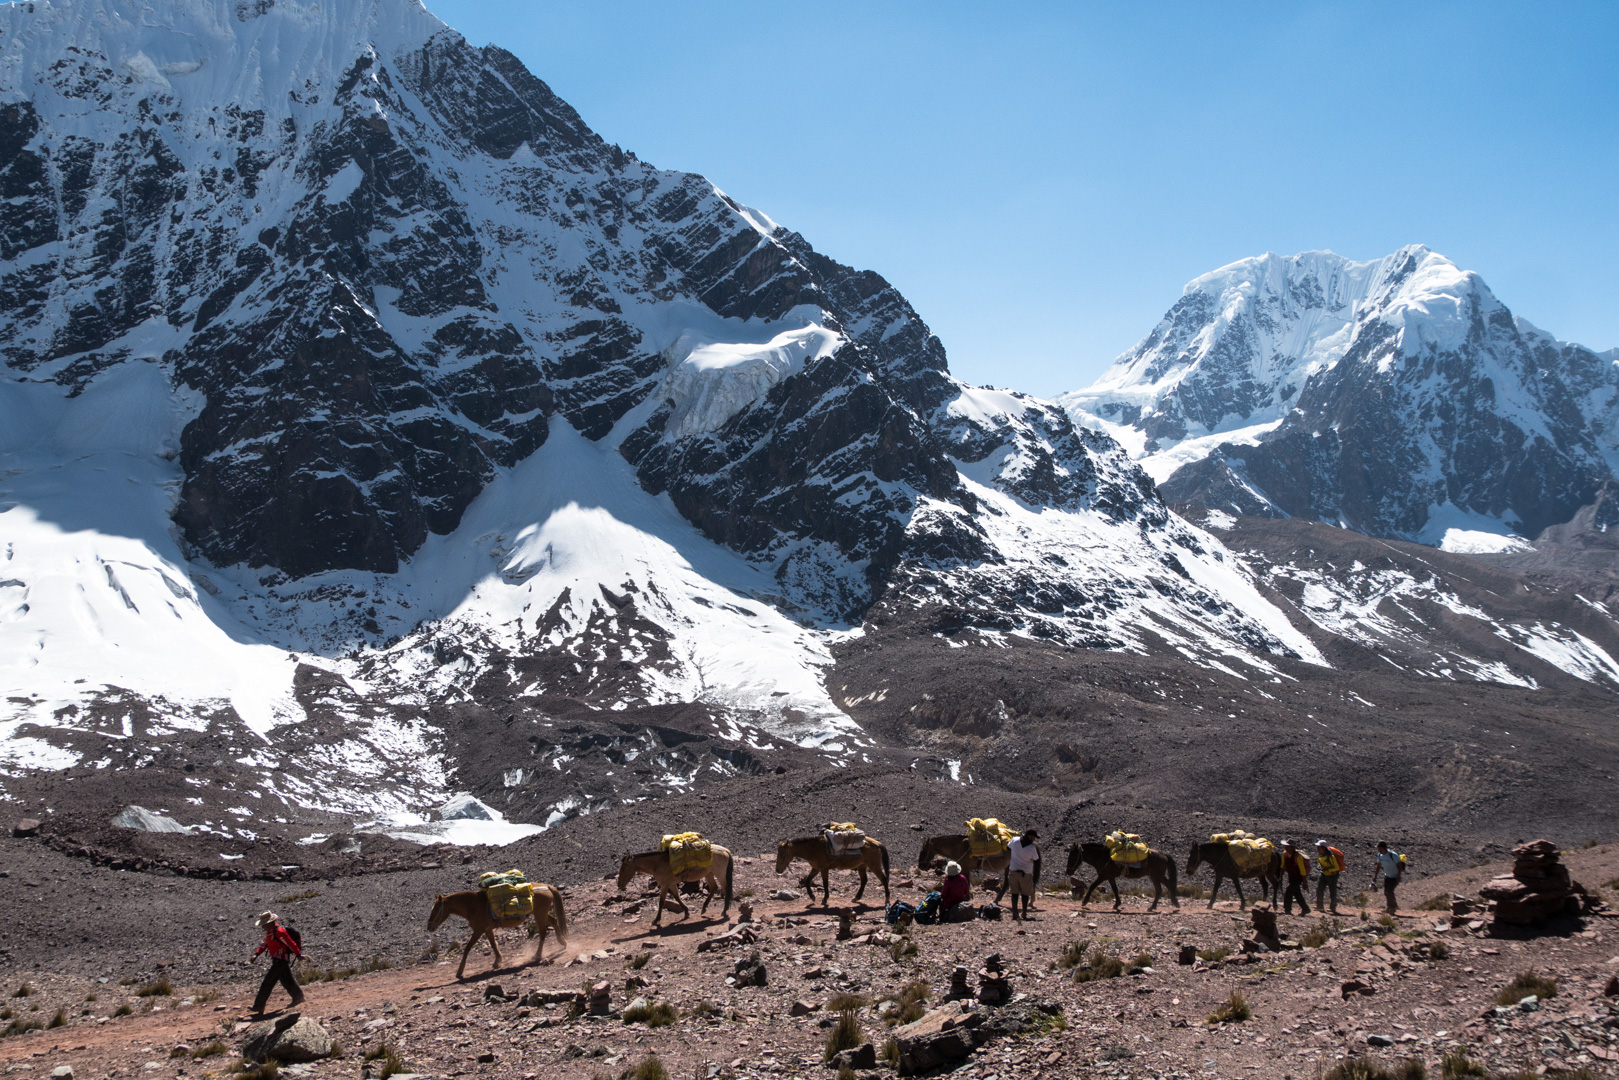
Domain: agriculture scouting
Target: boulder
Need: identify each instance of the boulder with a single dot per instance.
(750, 971)
(138, 817)
(25, 828)
(802, 1008)
(942, 1036)
(951, 1032)
(290, 1039)
(863, 1056)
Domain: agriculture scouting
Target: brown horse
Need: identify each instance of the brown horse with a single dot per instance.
(1157, 865)
(1217, 854)
(473, 906)
(958, 848)
(656, 865)
(814, 850)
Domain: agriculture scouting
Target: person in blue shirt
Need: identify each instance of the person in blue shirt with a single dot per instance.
(1392, 867)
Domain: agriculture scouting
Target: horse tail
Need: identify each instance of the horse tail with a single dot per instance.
(1174, 879)
(730, 870)
(922, 856)
(560, 915)
(884, 849)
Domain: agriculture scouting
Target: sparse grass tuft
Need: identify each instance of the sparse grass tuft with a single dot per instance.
(6, 1014)
(1143, 959)
(1101, 966)
(308, 973)
(1193, 892)
(1073, 955)
(704, 1007)
(1526, 984)
(293, 898)
(656, 1014)
(392, 1062)
(845, 1035)
(1357, 1068)
(59, 1020)
(158, 987)
(213, 1049)
(1438, 950)
(638, 961)
(650, 1069)
(911, 998)
(1214, 956)
(1387, 922)
(1361, 899)
(902, 948)
(23, 991)
(20, 1027)
(123, 1010)
(1456, 1065)
(1440, 902)
(844, 1001)
(248, 1070)
(1318, 935)
(1234, 1011)
(889, 1055)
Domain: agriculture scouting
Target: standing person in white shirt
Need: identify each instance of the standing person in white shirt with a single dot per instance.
(1023, 872)
(1391, 865)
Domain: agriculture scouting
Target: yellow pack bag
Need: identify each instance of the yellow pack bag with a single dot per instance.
(510, 901)
(1125, 847)
(687, 851)
(987, 837)
(1251, 852)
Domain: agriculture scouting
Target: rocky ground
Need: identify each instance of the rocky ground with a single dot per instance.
(1416, 1002)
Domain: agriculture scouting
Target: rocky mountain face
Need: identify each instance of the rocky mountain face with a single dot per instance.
(342, 353)
(1397, 397)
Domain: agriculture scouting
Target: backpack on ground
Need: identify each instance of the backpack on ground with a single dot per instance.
(900, 912)
(927, 912)
(992, 912)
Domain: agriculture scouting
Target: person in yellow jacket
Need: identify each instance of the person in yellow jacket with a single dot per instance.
(1331, 863)
(1297, 869)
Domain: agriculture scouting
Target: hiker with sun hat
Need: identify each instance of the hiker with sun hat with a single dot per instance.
(282, 944)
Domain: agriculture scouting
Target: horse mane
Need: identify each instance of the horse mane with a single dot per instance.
(647, 855)
(806, 840)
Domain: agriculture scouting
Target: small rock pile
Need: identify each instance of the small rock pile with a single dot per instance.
(993, 986)
(1539, 889)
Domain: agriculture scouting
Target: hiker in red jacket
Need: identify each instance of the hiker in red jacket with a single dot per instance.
(282, 947)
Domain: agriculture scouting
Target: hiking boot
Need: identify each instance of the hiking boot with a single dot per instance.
(297, 1001)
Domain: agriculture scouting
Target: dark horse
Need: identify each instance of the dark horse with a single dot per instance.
(1218, 855)
(1157, 865)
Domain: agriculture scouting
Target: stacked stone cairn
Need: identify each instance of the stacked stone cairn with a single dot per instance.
(1539, 889)
(993, 986)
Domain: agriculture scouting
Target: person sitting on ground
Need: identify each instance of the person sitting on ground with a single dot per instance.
(1392, 867)
(953, 896)
(1331, 861)
(282, 947)
(1297, 868)
(1023, 873)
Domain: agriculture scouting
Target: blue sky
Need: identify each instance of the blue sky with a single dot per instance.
(1042, 179)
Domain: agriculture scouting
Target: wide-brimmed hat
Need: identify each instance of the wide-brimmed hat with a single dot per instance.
(266, 918)
(1287, 843)
(951, 869)
(1320, 843)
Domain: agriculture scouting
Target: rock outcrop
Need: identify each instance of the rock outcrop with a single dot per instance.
(291, 1038)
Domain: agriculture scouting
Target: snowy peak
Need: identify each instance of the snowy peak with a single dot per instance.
(1399, 396)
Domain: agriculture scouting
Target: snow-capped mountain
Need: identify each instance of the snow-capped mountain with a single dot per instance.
(1397, 397)
(353, 384)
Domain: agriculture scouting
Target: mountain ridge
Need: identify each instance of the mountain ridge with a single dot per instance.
(1399, 397)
